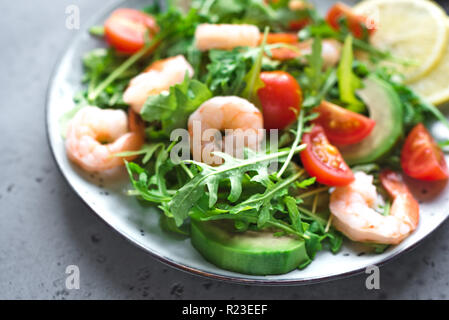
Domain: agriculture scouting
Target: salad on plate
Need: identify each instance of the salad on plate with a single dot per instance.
(264, 131)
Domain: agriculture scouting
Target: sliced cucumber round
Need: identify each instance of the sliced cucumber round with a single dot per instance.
(250, 252)
(385, 108)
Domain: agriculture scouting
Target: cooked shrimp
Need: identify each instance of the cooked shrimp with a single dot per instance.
(353, 211)
(298, 5)
(158, 77)
(240, 119)
(95, 135)
(330, 52)
(226, 36)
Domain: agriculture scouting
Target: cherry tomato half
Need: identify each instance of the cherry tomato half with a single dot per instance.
(281, 99)
(323, 161)
(422, 158)
(356, 23)
(125, 29)
(342, 126)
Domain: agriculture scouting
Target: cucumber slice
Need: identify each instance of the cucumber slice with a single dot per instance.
(250, 252)
(385, 108)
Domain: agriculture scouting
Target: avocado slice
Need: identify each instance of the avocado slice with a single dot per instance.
(385, 108)
(249, 252)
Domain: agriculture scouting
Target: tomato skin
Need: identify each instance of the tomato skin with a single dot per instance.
(125, 29)
(280, 95)
(422, 158)
(343, 127)
(298, 25)
(323, 161)
(356, 23)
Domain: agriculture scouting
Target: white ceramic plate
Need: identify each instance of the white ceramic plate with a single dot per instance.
(106, 194)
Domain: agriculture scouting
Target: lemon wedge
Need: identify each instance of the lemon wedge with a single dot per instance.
(435, 85)
(414, 30)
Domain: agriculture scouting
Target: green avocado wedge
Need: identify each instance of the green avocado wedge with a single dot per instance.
(385, 108)
(249, 252)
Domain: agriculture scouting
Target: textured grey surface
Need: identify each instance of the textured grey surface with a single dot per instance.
(44, 227)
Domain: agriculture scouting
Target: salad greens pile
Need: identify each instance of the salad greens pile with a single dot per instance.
(263, 190)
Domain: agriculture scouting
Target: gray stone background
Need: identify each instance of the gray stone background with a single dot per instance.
(45, 227)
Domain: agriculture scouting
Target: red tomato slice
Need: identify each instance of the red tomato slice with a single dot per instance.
(281, 99)
(356, 23)
(125, 29)
(422, 158)
(342, 126)
(323, 161)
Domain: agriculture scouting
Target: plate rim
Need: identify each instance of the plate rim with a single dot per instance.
(169, 262)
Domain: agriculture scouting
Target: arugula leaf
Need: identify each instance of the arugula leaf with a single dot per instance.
(299, 132)
(178, 30)
(122, 68)
(233, 169)
(294, 214)
(348, 82)
(237, 71)
(335, 240)
(313, 80)
(147, 150)
(304, 184)
(173, 109)
(98, 65)
(219, 11)
(313, 244)
(227, 71)
(141, 181)
(168, 224)
(260, 201)
(264, 216)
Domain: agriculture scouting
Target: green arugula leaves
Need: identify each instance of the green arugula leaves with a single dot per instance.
(173, 109)
(277, 15)
(233, 170)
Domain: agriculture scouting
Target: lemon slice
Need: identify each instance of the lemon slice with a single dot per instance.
(415, 30)
(435, 85)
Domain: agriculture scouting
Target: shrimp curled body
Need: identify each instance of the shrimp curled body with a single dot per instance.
(241, 121)
(353, 211)
(226, 36)
(157, 78)
(95, 135)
